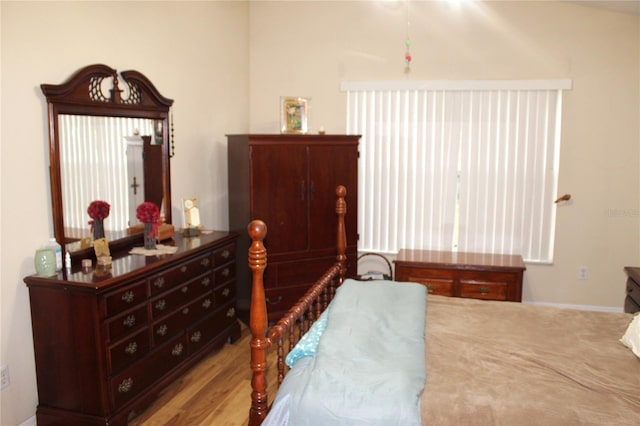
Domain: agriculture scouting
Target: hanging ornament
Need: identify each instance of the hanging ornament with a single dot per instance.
(407, 54)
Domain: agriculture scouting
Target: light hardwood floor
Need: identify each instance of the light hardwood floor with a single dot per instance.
(215, 392)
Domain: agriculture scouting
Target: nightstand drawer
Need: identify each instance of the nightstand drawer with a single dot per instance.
(457, 274)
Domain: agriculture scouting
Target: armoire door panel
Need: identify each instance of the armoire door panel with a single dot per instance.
(280, 196)
(330, 166)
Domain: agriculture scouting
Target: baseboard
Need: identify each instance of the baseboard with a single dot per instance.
(578, 307)
(31, 421)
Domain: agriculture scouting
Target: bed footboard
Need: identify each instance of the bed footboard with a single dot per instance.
(299, 318)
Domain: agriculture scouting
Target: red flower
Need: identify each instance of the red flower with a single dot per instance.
(98, 210)
(148, 212)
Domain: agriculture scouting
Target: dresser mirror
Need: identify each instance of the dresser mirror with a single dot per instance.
(109, 139)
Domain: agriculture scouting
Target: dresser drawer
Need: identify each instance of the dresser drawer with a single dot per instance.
(135, 379)
(487, 290)
(208, 329)
(442, 287)
(125, 298)
(224, 254)
(224, 293)
(129, 350)
(127, 322)
(167, 327)
(179, 274)
(633, 291)
(180, 295)
(225, 273)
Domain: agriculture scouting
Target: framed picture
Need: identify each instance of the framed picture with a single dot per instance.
(191, 213)
(294, 115)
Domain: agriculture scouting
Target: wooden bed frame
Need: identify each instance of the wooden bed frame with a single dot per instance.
(298, 319)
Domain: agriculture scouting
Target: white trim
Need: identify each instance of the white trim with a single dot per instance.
(594, 308)
(31, 421)
(556, 84)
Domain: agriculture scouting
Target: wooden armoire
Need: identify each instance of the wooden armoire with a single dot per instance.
(288, 181)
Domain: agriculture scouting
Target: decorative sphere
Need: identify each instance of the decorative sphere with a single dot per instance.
(407, 58)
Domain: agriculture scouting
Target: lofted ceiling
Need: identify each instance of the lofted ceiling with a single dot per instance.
(631, 7)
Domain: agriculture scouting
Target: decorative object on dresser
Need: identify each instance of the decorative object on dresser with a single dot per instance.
(107, 342)
(632, 301)
(288, 181)
(471, 275)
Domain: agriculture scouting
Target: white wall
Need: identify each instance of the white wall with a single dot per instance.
(226, 64)
(194, 52)
(308, 48)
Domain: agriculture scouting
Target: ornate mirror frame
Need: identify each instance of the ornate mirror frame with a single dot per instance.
(82, 94)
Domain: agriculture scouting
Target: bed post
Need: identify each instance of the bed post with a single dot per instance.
(258, 323)
(341, 238)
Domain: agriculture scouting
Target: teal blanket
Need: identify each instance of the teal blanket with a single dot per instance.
(369, 366)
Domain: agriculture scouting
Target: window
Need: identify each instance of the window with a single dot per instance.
(465, 165)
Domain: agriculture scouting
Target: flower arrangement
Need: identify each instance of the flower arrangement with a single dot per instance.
(149, 213)
(98, 210)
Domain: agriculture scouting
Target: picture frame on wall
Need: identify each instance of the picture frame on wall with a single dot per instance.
(294, 114)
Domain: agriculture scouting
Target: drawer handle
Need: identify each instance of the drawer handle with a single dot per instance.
(225, 254)
(128, 296)
(126, 385)
(131, 348)
(185, 289)
(162, 330)
(161, 305)
(226, 272)
(185, 311)
(268, 300)
(129, 321)
(206, 304)
(205, 262)
(195, 337)
(177, 350)
(205, 282)
(231, 312)
(484, 290)
(430, 288)
(159, 283)
(226, 292)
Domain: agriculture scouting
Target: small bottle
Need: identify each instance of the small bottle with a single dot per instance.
(57, 249)
(67, 261)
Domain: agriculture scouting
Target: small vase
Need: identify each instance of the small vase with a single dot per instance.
(45, 262)
(98, 229)
(149, 241)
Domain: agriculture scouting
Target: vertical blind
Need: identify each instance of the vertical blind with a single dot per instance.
(466, 165)
(93, 166)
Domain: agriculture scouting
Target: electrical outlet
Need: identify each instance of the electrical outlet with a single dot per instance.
(583, 273)
(4, 376)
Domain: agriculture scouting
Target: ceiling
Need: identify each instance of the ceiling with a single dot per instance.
(631, 7)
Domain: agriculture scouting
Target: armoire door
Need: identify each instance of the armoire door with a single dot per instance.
(330, 166)
(279, 195)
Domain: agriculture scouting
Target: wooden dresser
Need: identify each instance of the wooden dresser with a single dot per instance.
(289, 181)
(632, 301)
(107, 344)
(470, 275)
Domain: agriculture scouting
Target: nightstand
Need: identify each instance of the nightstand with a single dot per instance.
(458, 274)
(632, 301)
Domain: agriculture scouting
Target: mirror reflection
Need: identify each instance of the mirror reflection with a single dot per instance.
(105, 158)
(110, 141)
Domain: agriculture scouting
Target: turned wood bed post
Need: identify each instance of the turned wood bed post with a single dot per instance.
(258, 319)
(258, 323)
